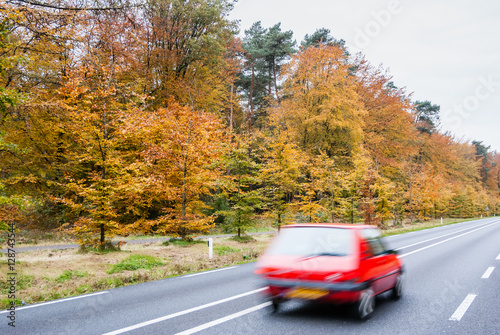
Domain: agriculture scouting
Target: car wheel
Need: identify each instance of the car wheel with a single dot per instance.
(365, 306)
(275, 304)
(397, 290)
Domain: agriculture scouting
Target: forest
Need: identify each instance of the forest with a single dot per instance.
(161, 117)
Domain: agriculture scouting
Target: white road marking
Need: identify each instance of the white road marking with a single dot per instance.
(207, 272)
(459, 313)
(488, 272)
(498, 257)
(57, 301)
(434, 238)
(449, 239)
(224, 319)
(194, 309)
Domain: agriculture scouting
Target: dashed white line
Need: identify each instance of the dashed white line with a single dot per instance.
(449, 239)
(57, 301)
(224, 319)
(207, 272)
(488, 272)
(194, 309)
(498, 257)
(459, 313)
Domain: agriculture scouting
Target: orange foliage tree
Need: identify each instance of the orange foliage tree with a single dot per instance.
(181, 150)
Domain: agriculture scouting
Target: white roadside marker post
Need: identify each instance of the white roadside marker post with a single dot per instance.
(210, 248)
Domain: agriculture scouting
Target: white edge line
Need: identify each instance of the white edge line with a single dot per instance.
(443, 241)
(207, 272)
(224, 319)
(459, 313)
(194, 309)
(488, 272)
(57, 301)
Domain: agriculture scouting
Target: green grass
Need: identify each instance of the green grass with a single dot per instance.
(222, 250)
(68, 275)
(22, 281)
(135, 262)
(84, 288)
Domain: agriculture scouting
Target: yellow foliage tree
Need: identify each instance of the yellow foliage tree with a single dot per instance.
(181, 149)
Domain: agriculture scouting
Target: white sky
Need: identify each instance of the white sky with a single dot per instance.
(445, 51)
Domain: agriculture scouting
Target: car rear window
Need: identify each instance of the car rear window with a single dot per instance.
(311, 241)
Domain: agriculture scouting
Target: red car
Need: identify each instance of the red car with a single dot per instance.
(330, 262)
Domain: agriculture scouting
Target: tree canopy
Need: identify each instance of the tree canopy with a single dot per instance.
(121, 117)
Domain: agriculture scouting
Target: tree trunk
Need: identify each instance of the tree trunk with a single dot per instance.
(102, 236)
(231, 110)
(184, 196)
(275, 81)
(251, 98)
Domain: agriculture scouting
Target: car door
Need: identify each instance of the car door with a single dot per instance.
(378, 263)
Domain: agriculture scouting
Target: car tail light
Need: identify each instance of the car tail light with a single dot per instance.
(263, 271)
(350, 276)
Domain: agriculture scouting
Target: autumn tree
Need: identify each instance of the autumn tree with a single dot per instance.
(485, 158)
(280, 175)
(389, 134)
(320, 104)
(182, 149)
(184, 52)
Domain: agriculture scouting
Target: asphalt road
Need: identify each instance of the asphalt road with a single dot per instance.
(452, 287)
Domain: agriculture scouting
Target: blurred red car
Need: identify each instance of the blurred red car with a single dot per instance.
(330, 262)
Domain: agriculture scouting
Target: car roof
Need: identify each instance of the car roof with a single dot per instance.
(330, 225)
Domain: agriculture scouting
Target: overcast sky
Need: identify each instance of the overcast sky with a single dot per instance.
(445, 51)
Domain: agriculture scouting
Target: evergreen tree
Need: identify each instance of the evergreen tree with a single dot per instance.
(253, 78)
(278, 48)
(321, 36)
(426, 116)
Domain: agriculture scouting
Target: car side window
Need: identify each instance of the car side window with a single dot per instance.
(373, 237)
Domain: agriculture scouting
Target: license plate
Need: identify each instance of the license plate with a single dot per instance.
(306, 293)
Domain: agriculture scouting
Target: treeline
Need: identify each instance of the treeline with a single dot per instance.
(121, 117)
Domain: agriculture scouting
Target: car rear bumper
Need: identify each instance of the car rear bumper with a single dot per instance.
(335, 287)
(346, 292)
